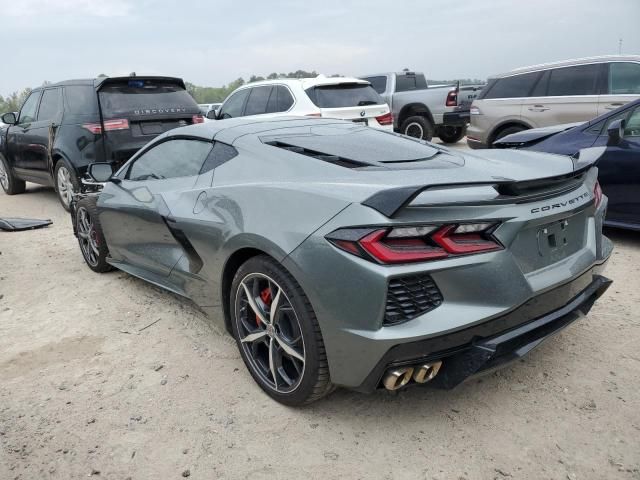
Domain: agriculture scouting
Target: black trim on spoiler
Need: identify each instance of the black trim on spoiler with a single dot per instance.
(110, 80)
(391, 201)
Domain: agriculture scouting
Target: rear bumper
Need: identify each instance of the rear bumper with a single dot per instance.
(475, 144)
(493, 344)
(456, 119)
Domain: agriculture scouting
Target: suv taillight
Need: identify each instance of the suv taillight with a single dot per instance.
(386, 119)
(416, 243)
(452, 99)
(597, 193)
(197, 119)
(109, 125)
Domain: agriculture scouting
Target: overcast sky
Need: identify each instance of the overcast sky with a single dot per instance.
(214, 42)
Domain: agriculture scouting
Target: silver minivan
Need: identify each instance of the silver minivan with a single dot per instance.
(552, 94)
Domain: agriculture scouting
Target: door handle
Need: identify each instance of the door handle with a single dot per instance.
(538, 108)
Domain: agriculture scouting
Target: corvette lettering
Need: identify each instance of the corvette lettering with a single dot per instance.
(546, 208)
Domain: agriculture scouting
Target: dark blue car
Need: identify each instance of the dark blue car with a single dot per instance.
(618, 133)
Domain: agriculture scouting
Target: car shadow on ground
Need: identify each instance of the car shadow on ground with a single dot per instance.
(623, 237)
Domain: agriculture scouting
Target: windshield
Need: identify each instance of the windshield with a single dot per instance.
(135, 97)
(344, 95)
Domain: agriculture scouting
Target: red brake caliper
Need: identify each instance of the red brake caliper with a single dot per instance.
(265, 295)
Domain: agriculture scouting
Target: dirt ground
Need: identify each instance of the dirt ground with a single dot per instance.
(87, 391)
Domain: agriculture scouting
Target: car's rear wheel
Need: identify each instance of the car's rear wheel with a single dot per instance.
(66, 183)
(10, 184)
(507, 131)
(417, 127)
(277, 333)
(90, 237)
(449, 134)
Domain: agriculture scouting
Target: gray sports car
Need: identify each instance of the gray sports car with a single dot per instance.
(339, 255)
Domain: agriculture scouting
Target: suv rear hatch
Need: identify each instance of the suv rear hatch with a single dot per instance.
(135, 110)
(354, 101)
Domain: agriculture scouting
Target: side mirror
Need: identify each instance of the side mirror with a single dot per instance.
(615, 131)
(100, 172)
(211, 115)
(9, 118)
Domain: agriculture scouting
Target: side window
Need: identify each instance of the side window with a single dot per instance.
(170, 159)
(285, 100)
(220, 154)
(80, 100)
(29, 107)
(257, 102)
(233, 107)
(624, 78)
(50, 105)
(540, 90)
(632, 126)
(379, 84)
(569, 81)
(516, 86)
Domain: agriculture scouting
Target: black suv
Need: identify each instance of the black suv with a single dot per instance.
(64, 127)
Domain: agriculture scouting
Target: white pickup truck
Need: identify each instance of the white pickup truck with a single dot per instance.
(424, 111)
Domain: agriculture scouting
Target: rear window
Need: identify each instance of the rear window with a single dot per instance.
(406, 83)
(512, 87)
(344, 95)
(624, 78)
(81, 100)
(140, 97)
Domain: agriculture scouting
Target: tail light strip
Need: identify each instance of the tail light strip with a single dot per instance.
(109, 125)
(416, 244)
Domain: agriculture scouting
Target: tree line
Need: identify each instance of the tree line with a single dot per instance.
(14, 101)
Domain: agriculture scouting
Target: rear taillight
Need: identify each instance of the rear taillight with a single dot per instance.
(452, 99)
(474, 111)
(597, 194)
(386, 119)
(319, 114)
(197, 119)
(416, 243)
(109, 125)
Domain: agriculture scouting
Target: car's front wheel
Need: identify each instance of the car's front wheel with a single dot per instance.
(277, 333)
(90, 237)
(66, 183)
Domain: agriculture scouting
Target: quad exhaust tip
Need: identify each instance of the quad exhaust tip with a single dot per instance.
(399, 377)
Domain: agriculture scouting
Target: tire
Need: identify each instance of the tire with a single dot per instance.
(293, 380)
(418, 127)
(507, 131)
(451, 134)
(66, 183)
(10, 184)
(90, 237)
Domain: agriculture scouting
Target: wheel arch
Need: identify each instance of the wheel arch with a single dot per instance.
(412, 109)
(506, 124)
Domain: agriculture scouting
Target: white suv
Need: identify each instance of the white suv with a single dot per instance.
(335, 97)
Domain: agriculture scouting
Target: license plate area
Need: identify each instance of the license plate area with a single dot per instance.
(539, 246)
(361, 120)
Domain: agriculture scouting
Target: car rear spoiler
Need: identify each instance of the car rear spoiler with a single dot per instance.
(104, 81)
(390, 201)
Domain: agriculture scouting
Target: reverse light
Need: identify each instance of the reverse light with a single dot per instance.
(597, 193)
(416, 243)
(452, 99)
(109, 125)
(197, 119)
(386, 119)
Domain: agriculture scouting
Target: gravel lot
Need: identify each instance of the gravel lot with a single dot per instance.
(86, 390)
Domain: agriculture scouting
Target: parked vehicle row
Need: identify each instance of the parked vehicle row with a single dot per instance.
(63, 127)
(551, 94)
(318, 241)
